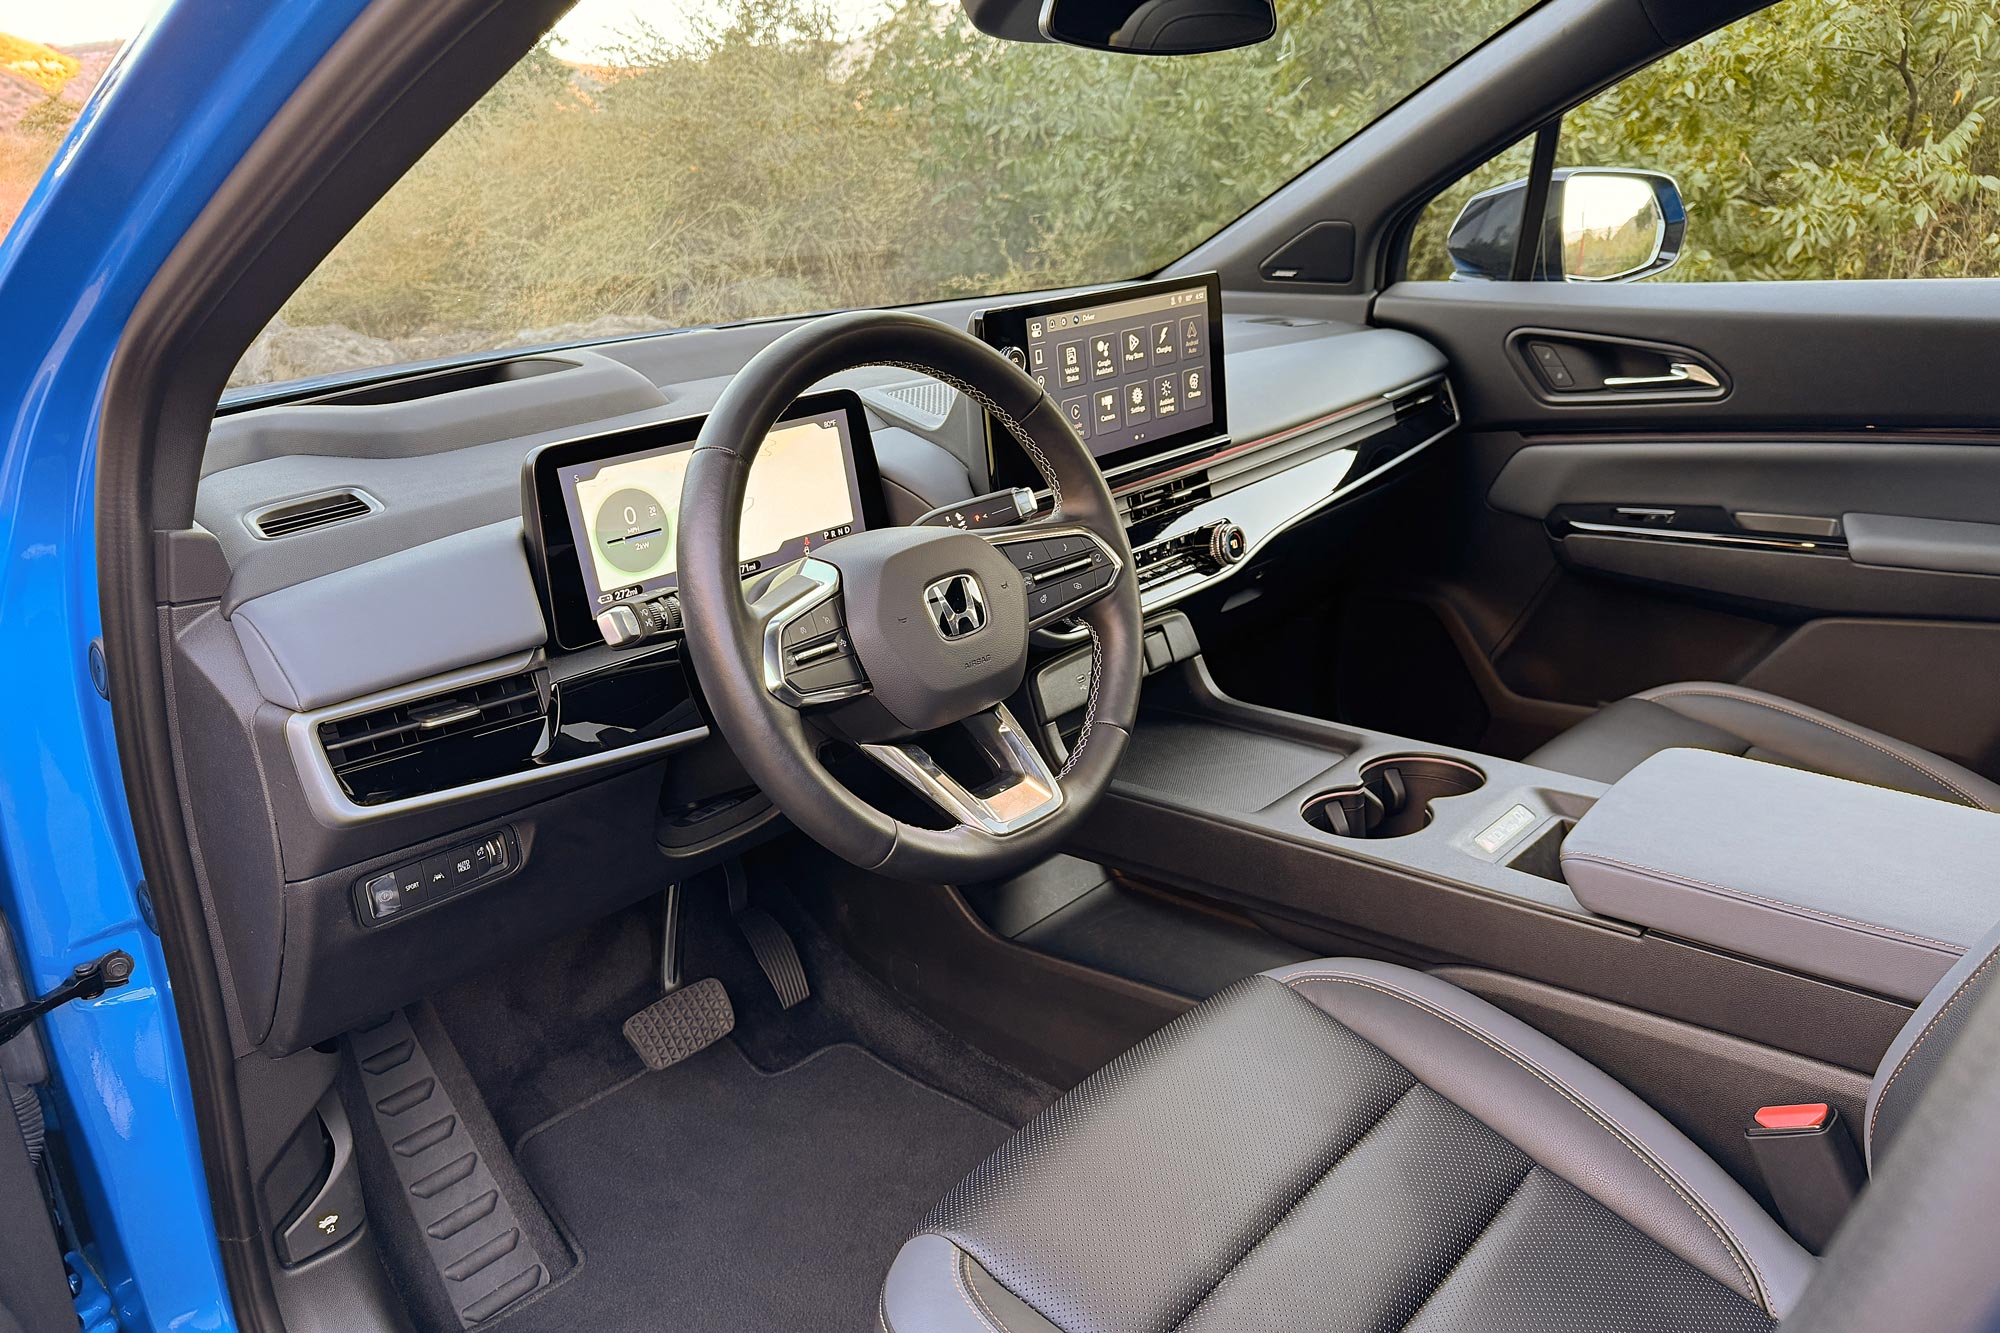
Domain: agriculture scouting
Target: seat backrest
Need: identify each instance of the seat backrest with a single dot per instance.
(1913, 1058)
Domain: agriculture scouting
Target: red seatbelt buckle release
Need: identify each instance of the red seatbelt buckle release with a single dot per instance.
(1810, 1165)
(1806, 1115)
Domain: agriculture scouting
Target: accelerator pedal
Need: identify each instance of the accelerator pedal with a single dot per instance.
(680, 1023)
(773, 947)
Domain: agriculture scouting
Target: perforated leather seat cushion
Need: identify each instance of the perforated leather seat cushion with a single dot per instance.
(1261, 1164)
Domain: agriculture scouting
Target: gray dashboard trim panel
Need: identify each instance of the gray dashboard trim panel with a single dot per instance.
(1857, 884)
(459, 600)
(330, 805)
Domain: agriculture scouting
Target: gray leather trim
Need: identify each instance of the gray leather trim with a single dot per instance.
(1809, 738)
(1620, 736)
(450, 603)
(1566, 1114)
(1922, 543)
(1858, 884)
(935, 1287)
(1913, 1057)
(1729, 719)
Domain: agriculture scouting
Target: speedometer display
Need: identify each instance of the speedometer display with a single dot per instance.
(631, 532)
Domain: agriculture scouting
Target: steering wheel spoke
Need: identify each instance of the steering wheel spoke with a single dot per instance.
(1019, 791)
(808, 657)
(1065, 568)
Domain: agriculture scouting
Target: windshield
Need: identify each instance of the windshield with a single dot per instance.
(652, 167)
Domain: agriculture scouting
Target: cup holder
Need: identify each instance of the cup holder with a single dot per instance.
(1394, 797)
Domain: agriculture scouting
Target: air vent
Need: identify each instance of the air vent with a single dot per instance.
(1166, 498)
(315, 511)
(438, 742)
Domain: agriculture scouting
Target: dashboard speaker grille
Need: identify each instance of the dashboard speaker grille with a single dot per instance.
(315, 511)
(444, 740)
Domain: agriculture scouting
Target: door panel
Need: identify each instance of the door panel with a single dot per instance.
(1583, 546)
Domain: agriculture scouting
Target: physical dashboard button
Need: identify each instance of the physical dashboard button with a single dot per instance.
(1016, 355)
(1025, 555)
(384, 896)
(1227, 544)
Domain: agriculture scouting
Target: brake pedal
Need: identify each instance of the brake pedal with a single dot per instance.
(681, 1023)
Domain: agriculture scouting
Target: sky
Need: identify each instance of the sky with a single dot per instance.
(584, 33)
(68, 22)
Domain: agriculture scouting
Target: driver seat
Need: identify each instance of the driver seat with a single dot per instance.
(1346, 1144)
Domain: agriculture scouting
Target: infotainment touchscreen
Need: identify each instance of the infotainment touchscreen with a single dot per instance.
(1137, 370)
(608, 508)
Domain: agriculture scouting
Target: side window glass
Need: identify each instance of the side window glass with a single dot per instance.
(1816, 139)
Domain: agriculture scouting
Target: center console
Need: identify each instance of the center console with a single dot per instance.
(1796, 912)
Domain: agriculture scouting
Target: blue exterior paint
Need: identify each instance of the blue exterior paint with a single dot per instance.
(168, 123)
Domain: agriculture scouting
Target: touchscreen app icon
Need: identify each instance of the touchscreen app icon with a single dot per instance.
(1194, 387)
(1163, 342)
(1190, 337)
(1135, 347)
(1138, 404)
(1069, 362)
(1166, 395)
(1103, 359)
(1106, 406)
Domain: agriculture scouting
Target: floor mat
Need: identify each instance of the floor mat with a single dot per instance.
(712, 1196)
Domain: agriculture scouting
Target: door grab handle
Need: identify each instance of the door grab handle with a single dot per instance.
(1678, 372)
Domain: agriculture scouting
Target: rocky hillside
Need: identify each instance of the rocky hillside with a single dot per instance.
(41, 89)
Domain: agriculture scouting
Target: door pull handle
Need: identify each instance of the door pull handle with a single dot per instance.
(1678, 372)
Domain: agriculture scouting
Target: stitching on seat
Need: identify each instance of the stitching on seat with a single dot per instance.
(1936, 1018)
(1867, 927)
(961, 1276)
(1304, 1194)
(1752, 1276)
(1671, 693)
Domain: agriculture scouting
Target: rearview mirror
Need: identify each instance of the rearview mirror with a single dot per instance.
(1159, 27)
(1602, 224)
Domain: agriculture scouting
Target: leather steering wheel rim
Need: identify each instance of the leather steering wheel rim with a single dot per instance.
(724, 636)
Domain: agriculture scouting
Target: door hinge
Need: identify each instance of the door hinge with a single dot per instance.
(87, 982)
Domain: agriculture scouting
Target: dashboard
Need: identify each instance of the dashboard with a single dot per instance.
(417, 741)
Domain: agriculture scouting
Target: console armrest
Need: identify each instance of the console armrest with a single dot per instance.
(1862, 885)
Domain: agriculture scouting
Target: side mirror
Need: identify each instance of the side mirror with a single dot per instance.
(1159, 27)
(1602, 224)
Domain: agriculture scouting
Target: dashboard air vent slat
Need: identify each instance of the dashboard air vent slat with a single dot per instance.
(439, 741)
(314, 511)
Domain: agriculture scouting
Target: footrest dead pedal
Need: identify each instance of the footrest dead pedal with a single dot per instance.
(485, 1259)
(680, 1023)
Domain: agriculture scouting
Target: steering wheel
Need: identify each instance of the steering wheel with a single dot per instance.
(907, 642)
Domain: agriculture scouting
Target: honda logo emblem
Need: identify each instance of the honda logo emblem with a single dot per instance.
(956, 606)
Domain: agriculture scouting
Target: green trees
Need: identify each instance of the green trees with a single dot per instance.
(1821, 139)
(765, 163)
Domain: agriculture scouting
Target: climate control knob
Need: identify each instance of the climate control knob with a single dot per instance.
(1227, 544)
